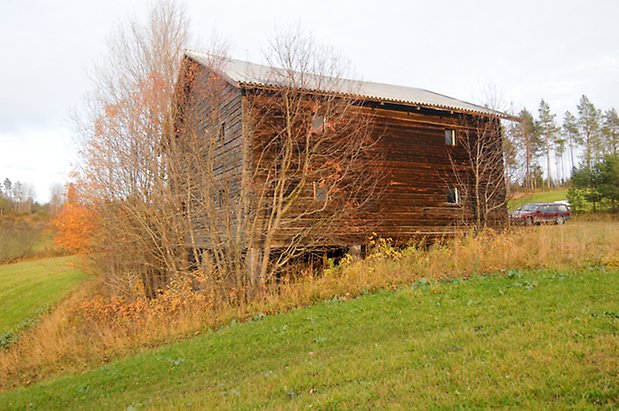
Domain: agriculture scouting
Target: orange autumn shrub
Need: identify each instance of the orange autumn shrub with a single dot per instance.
(75, 224)
(129, 314)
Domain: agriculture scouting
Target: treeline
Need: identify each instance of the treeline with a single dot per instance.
(581, 140)
(24, 223)
(16, 197)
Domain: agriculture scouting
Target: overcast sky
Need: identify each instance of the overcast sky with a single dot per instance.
(527, 50)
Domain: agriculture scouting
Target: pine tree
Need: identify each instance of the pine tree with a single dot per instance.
(8, 188)
(529, 136)
(510, 153)
(548, 128)
(559, 149)
(610, 132)
(571, 135)
(589, 124)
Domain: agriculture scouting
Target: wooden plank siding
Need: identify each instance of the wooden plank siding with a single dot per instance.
(228, 152)
(415, 163)
(414, 166)
(418, 168)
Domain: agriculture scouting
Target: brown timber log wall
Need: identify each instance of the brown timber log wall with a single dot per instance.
(416, 168)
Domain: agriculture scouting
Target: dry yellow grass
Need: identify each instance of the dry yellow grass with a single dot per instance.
(84, 331)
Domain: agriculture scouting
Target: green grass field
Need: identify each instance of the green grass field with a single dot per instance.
(533, 340)
(30, 288)
(538, 197)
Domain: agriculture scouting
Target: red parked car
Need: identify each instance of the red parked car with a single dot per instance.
(537, 213)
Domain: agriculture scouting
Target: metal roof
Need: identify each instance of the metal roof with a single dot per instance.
(243, 74)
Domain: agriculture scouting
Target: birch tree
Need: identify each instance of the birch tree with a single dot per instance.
(123, 176)
(307, 172)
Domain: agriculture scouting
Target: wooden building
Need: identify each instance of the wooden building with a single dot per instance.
(423, 144)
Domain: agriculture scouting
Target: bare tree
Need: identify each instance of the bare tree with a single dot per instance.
(171, 196)
(303, 177)
(123, 174)
(57, 198)
(23, 197)
(480, 177)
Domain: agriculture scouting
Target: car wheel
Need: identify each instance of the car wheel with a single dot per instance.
(560, 220)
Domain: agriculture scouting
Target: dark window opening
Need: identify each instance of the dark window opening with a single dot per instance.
(318, 124)
(220, 198)
(450, 137)
(222, 131)
(320, 192)
(453, 196)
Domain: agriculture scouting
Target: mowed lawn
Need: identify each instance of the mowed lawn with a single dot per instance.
(539, 197)
(533, 340)
(32, 287)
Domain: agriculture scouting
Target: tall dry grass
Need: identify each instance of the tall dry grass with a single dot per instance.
(86, 330)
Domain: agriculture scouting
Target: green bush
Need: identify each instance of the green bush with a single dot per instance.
(597, 188)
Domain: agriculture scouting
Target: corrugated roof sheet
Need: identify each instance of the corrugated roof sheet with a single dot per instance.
(244, 73)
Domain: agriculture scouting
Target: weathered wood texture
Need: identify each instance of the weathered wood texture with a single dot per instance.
(412, 162)
(211, 115)
(415, 168)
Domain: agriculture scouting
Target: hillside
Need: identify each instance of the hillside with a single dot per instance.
(537, 197)
(31, 288)
(524, 339)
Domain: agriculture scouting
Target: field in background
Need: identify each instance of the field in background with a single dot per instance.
(537, 197)
(31, 288)
(530, 340)
(25, 237)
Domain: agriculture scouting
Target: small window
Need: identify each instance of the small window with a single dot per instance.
(220, 198)
(320, 192)
(222, 131)
(450, 137)
(453, 196)
(318, 124)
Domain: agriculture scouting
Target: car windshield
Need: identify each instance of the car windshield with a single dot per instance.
(528, 207)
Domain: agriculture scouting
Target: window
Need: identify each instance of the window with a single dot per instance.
(318, 124)
(453, 197)
(220, 198)
(450, 137)
(222, 131)
(320, 192)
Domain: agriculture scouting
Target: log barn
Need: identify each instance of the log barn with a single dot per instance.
(423, 175)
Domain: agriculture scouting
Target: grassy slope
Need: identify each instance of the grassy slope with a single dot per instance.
(30, 288)
(533, 340)
(539, 197)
